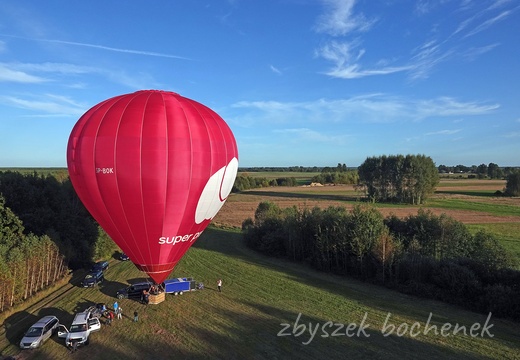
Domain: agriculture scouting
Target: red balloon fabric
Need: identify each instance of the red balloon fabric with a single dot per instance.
(153, 168)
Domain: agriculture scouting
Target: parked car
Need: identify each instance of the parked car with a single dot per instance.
(39, 332)
(97, 310)
(93, 278)
(83, 325)
(133, 291)
(100, 265)
(123, 257)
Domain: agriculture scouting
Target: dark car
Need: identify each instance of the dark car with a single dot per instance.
(99, 266)
(123, 257)
(93, 278)
(134, 291)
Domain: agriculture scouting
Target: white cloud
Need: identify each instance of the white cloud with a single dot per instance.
(55, 105)
(426, 57)
(513, 134)
(275, 70)
(346, 56)
(371, 108)
(443, 132)
(306, 134)
(489, 22)
(339, 18)
(102, 47)
(473, 53)
(49, 67)
(8, 74)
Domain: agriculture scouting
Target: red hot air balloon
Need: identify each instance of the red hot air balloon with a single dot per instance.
(153, 168)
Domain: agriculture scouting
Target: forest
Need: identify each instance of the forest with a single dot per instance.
(44, 232)
(424, 255)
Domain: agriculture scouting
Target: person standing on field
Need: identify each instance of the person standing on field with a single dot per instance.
(219, 285)
(136, 316)
(110, 317)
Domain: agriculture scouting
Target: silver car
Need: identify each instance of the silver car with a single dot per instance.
(39, 332)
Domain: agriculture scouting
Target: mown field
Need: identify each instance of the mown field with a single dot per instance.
(247, 319)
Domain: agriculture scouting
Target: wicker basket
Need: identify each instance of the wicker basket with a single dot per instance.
(156, 299)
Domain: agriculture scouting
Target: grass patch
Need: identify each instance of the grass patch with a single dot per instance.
(259, 294)
(457, 204)
(302, 178)
(506, 233)
(480, 193)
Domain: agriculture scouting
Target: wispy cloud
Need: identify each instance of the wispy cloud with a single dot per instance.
(275, 70)
(103, 47)
(25, 73)
(346, 56)
(8, 74)
(489, 22)
(443, 132)
(426, 57)
(475, 52)
(55, 105)
(339, 18)
(312, 135)
(425, 6)
(340, 21)
(513, 134)
(372, 108)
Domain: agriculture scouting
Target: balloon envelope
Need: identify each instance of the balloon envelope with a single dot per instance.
(153, 168)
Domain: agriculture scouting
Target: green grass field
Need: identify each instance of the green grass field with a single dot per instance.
(506, 233)
(458, 204)
(246, 320)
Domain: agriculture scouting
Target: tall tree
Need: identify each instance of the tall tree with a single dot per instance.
(365, 227)
(513, 184)
(409, 179)
(482, 171)
(494, 171)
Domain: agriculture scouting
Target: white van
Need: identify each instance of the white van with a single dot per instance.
(84, 323)
(39, 332)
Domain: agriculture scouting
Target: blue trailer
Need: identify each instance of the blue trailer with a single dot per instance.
(179, 285)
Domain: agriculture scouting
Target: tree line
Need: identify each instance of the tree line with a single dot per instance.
(44, 232)
(245, 182)
(28, 263)
(424, 254)
(491, 171)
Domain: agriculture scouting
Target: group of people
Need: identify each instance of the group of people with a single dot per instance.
(117, 312)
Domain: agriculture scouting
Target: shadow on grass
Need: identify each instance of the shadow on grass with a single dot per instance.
(230, 243)
(257, 333)
(17, 324)
(110, 288)
(269, 332)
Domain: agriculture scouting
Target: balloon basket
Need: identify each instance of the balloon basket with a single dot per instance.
(156, 299)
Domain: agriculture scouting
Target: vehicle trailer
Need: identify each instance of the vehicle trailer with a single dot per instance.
(179, 285)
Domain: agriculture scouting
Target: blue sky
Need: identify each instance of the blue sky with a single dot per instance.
(299, 82)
